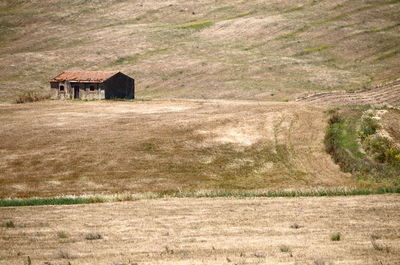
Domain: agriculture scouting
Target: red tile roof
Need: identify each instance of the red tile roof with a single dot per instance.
(83, 76)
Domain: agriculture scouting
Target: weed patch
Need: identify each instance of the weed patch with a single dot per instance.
(295, 226)
(197, 25)
(9, 224)
(198, 194)
(343, 141)
(284, 249)
(62, 235)
(93, 236)
(336, 237)
(388, 55)
(30, 97)
(312, 50)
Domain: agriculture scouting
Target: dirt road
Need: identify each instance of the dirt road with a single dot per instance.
(207, 231)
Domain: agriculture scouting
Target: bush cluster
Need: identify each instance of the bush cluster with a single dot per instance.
(379, 147)
(30, 96)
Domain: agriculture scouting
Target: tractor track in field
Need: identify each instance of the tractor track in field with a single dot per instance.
(386, 94)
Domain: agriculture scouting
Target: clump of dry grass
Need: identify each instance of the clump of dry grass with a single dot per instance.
(93, 236)
(286, 249)
(377, 246)
(9, 224)
(30, 96)
(62, 234)
(65, 254)
(295, 226)
(320, 262)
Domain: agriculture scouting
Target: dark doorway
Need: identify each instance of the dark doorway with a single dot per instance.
(76, 91)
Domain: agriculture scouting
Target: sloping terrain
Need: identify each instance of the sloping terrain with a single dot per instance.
(58, 148)
(206, 231)
(387, 94)
(273, 50)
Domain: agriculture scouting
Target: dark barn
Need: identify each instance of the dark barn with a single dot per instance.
(92, 85)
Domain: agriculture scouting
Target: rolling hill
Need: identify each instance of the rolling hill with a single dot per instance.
(275, 50)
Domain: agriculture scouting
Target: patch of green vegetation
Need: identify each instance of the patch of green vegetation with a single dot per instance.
(149, 147)
(62, 235)
(93, 236)
(9, 224)
(42, 201)
(198, 25)
(136, 57)
(319, 22)
(244, 14)
(384, 28)
(336, 237)
(293, 33)
(388, 55)
(368, 127)
(312, 50)
(368, 31)
(379, 147)
(294, 9)
(284, 249)
(199, 194)
(343, 141)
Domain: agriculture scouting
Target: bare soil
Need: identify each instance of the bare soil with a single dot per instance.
(207, 231)
(57, 148)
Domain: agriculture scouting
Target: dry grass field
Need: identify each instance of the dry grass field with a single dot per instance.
(274, 50)
(206, 231)
(58, 148)
(386, 94)
(234, 98)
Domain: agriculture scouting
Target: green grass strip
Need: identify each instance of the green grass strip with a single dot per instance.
(42, 201)
(204, 194)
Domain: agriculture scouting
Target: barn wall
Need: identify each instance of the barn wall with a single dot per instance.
(57, 94)
(120, 86)
(84, 90)
(85, 93)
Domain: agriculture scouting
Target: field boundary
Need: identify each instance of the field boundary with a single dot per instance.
(88, 199)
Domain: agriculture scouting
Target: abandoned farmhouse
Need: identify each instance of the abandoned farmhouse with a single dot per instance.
(92, 85)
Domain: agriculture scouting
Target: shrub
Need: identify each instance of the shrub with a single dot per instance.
(62, 235)
(9, 224)
(30, 96)
(93, 236)
(295, 226)
(369, 126)
(336, 237)
(377, 146)
(284, 248)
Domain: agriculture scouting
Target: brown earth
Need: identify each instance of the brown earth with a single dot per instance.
(207, 231)
(386, 94)
(56, 148)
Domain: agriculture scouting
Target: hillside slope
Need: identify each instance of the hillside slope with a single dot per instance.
(163, 146)
(386, 94)
(273, 50)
